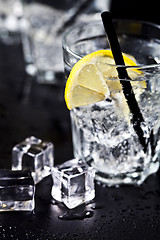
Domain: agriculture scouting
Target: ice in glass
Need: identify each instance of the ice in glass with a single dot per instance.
(103, 132)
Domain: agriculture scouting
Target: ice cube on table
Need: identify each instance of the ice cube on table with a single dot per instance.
(17, 190)
(34, 154)
(73, 183)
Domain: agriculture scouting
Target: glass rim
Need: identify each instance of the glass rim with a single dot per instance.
(69, 30)
(138, 67)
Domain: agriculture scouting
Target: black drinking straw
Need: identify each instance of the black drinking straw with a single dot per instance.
(137, 117)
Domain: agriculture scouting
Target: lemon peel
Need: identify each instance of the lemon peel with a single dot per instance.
(89, 82)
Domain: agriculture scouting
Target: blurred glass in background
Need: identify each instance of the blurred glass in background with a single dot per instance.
(42, 30)
(40, 25)
(10, 13)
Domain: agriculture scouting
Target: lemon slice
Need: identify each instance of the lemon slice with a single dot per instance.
(111, 75)
(89, 82)
(85, 84)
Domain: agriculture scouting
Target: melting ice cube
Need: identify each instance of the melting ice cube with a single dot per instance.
(33, 154)
(73, 183)
(16, 190)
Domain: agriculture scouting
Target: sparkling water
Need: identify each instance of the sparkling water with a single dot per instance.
(106, 139)
(103, 133)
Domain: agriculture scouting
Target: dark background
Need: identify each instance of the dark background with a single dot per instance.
(140, 10)
(28, 108)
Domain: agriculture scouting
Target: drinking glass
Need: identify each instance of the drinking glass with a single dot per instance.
(104, 134)
(42, 37)
(11, 11)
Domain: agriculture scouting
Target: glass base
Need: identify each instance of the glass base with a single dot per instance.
(9, 37)
(52, 77)
(132, 178)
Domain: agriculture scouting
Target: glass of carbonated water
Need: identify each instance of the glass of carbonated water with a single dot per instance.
(104, 133)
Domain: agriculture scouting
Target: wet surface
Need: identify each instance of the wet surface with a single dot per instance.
(126, 212)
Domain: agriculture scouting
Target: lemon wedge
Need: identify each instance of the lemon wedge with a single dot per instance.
(89, 82)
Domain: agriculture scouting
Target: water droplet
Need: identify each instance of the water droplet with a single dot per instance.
(97, 206)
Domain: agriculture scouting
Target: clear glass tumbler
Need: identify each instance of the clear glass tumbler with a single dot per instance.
(104, 133)
(42, 37)
(11, 11)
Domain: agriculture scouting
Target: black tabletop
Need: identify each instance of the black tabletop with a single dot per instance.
(30, 109)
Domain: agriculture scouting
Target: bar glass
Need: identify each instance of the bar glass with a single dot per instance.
(103, 133)
(45, 22)
(11, 11)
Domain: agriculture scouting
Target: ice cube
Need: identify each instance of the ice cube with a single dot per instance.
(16, 190)
(73, 183)
(34, 154)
